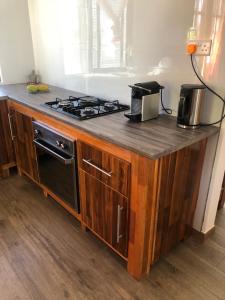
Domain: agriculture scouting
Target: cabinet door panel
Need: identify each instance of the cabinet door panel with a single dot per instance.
(25, 150)
(105, 212)
(6, 144)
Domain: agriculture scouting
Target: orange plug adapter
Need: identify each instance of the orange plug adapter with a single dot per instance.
(191, 48)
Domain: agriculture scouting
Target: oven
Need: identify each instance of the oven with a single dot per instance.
(57, 163)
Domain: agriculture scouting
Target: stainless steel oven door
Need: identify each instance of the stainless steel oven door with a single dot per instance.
(57, 172)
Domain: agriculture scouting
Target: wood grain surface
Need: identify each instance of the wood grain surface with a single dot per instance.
(99, 205)
(143, 215)
(152, 139)
(24, 147)
(118, 169)
(7, 155)
(178, 194)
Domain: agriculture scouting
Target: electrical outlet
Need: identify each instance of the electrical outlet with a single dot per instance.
(203, 47)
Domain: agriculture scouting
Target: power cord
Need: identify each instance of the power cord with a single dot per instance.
(167, 110)
(212, 91)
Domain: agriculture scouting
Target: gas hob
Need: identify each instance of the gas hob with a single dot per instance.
(86, 107)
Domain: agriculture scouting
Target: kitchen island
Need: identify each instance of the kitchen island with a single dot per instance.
(147, 205)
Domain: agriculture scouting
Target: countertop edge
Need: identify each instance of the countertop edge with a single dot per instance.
(4, 98)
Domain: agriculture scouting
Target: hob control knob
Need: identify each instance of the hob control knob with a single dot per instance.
(63, 146)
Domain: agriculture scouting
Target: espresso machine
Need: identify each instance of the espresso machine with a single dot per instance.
(189, 109)
(145, 98)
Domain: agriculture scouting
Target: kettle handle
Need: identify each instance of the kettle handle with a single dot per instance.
(181, 111)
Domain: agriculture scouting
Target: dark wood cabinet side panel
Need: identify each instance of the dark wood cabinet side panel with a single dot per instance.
(180, 178)
(167, 165)
(7, 154)
(25, 150)
(197, 154)
(178, 198)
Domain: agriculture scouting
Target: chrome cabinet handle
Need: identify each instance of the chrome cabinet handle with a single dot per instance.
(88, 162)
(118, 235)
(10, 127)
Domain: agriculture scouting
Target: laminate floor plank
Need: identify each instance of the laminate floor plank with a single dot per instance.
(44, 255)
(10, 286)
(207, 276)
(177, 282)
(220, 218)
(210, 250)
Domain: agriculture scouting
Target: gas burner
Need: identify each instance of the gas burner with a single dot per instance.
(89, 99)
(88, 111)
(72, 98)
(82, 102)
(61, 102)
(109, 105)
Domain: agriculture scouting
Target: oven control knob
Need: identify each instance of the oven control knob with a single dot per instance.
(63, 146)
(37, 132)
(58, 143)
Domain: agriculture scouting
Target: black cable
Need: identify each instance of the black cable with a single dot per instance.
(167, 110)
(212, 91)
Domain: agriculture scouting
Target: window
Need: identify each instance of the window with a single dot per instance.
(108, 34)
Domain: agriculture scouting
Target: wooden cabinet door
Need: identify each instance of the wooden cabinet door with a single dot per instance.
(7, 156)
(25, 151)
(105, 211)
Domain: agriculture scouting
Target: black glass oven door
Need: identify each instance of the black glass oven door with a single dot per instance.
(57, 172)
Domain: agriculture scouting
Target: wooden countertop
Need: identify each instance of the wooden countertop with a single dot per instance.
(153, 139)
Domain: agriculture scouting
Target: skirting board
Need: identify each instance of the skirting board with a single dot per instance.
(202, 236)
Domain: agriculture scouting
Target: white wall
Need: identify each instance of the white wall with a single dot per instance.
(215, 186)
(16, 50)
(211, 24)
(155, 47)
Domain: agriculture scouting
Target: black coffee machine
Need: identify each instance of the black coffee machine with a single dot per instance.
(189, 108)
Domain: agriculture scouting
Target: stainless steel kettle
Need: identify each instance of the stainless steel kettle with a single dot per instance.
(189, 108)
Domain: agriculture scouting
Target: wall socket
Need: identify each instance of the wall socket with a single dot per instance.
(203, 47)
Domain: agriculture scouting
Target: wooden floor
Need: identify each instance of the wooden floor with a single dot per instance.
(45, 255)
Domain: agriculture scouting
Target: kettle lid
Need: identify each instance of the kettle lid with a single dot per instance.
(193, 86)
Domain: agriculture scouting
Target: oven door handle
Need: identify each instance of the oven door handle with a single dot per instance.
(66, 161)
